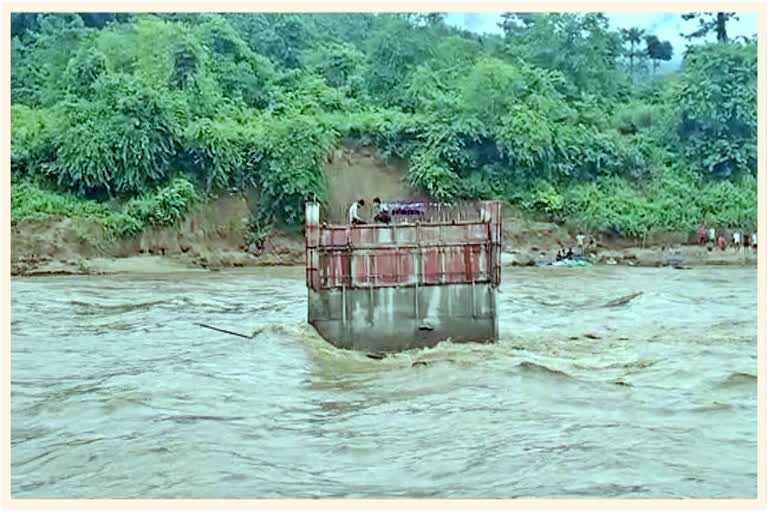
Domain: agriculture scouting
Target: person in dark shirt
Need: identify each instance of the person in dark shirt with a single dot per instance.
(380, 213)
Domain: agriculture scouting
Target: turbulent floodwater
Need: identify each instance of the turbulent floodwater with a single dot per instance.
(116, 393)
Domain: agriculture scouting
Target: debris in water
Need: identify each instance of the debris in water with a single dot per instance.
(225, 331)
(622, 382)
(376, 355)
(591, 336)
(420, 363)
(622, 300)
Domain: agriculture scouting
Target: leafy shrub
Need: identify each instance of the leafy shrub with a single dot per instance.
(32, 144)
(547, 199)
(29, 201)
(122, 143)
(429, 173)
(164, 207)
(293, 172)
(259, 228)
(716, 99)
(337, 63)
(674, 200)
(216, 151)
(608, 204)
(87, 66)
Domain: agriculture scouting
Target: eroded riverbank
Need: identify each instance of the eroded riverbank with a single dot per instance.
(205, 242)
(678, 257)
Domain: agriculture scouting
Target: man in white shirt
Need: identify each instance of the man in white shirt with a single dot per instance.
(354, 216)
(737, 240)
(580, 243)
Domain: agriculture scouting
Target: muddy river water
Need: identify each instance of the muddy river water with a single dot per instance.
(116, 393)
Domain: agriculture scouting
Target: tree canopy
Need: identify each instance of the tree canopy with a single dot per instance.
(553, 115)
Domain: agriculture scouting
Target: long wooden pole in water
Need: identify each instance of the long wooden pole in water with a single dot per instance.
(225, 331)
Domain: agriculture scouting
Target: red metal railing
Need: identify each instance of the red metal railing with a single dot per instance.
(403, 254)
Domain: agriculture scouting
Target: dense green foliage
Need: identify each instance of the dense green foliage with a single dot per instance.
(29, 202)
(559, 115)
(163, 207)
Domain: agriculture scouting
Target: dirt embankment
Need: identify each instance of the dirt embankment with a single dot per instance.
(212, 236)
(359, 172)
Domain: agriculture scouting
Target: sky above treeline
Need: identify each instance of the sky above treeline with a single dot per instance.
(667, 26)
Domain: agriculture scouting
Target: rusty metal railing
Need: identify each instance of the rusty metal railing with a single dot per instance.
(434, 239)
(404, 212)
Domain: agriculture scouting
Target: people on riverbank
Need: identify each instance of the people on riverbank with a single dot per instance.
(701, 234)
(562, 254)
(721, 243)
(584, 249)
(580, 243)
(739, 239)
(591, 247)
